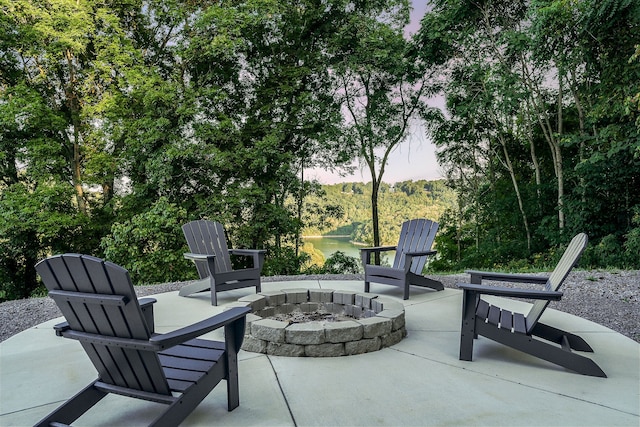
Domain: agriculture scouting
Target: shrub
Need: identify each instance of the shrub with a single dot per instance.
(151, 245)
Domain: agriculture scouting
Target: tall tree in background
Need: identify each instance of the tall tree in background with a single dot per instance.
(544, 71)
(265, 111)
(382, 89)
(60, 62)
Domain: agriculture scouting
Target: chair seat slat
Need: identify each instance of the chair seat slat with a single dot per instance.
(506, 320)
(194, 365)
(482, 311)
(494, 315)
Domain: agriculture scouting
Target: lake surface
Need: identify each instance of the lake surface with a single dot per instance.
(329, 245)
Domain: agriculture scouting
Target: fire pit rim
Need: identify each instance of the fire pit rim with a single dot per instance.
(378, 323)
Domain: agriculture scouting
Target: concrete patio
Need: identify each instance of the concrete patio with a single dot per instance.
(419, 381)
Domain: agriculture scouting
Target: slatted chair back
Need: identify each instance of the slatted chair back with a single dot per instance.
(97, 299)
(208, 238)
(569, 259)
(416, 235)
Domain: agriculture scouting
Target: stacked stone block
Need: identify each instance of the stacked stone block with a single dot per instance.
(377, 323)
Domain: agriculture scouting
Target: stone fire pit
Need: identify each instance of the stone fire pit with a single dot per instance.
(373, 323)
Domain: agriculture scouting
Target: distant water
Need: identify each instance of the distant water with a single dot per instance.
(329, 245)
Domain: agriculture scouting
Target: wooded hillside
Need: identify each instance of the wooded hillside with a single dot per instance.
(398, 202)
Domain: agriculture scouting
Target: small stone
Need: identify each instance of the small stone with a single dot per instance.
(282, 349)
(348, 330)
(305, 333)
(296, 296)
(362, 346)
(324, 350)
(269, 330)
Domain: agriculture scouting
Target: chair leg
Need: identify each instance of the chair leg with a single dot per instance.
(214, 295)
(73, 408)
(234, 334)
(367, 286)
(468, 328)
(184, 406)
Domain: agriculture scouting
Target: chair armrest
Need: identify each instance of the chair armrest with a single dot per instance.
(198, 257)
(422, 253)
(257, 255)
(60, 328)
(511, 292)
(478, 276)
(197, 329)
(378, 249)
(365, 253)
(210, 260)
(247, 252)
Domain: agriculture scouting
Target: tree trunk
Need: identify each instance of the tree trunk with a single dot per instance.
(375, 186)
(74, 110)
(547, 129)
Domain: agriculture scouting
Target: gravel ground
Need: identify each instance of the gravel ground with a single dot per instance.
(610, 298)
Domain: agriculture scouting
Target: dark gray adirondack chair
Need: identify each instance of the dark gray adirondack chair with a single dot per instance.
(102, 312)
(211, 255)
(414, 246)
(517, 330)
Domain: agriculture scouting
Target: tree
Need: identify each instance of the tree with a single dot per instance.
(381, 88)
(61, 61)
(527, 85)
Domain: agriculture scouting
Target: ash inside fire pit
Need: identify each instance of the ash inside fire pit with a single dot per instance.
(316, 316)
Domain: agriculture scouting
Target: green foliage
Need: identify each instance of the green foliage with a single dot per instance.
(284, 261)
(533, 159)
(340, 263)
(632, 244)
(119, 121)
(151, 245)
(399, 202)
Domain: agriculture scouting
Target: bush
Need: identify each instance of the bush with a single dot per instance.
(151, 245)
(283, 261)
(340, 263)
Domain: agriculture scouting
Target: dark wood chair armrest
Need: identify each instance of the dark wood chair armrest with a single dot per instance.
(511, 292)
(247, 252)
(257, 255)
(422, 253)
(478, 276)
(60, 328)
(197, 329)
(198, 257)
(378, 249)
(365, 253)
